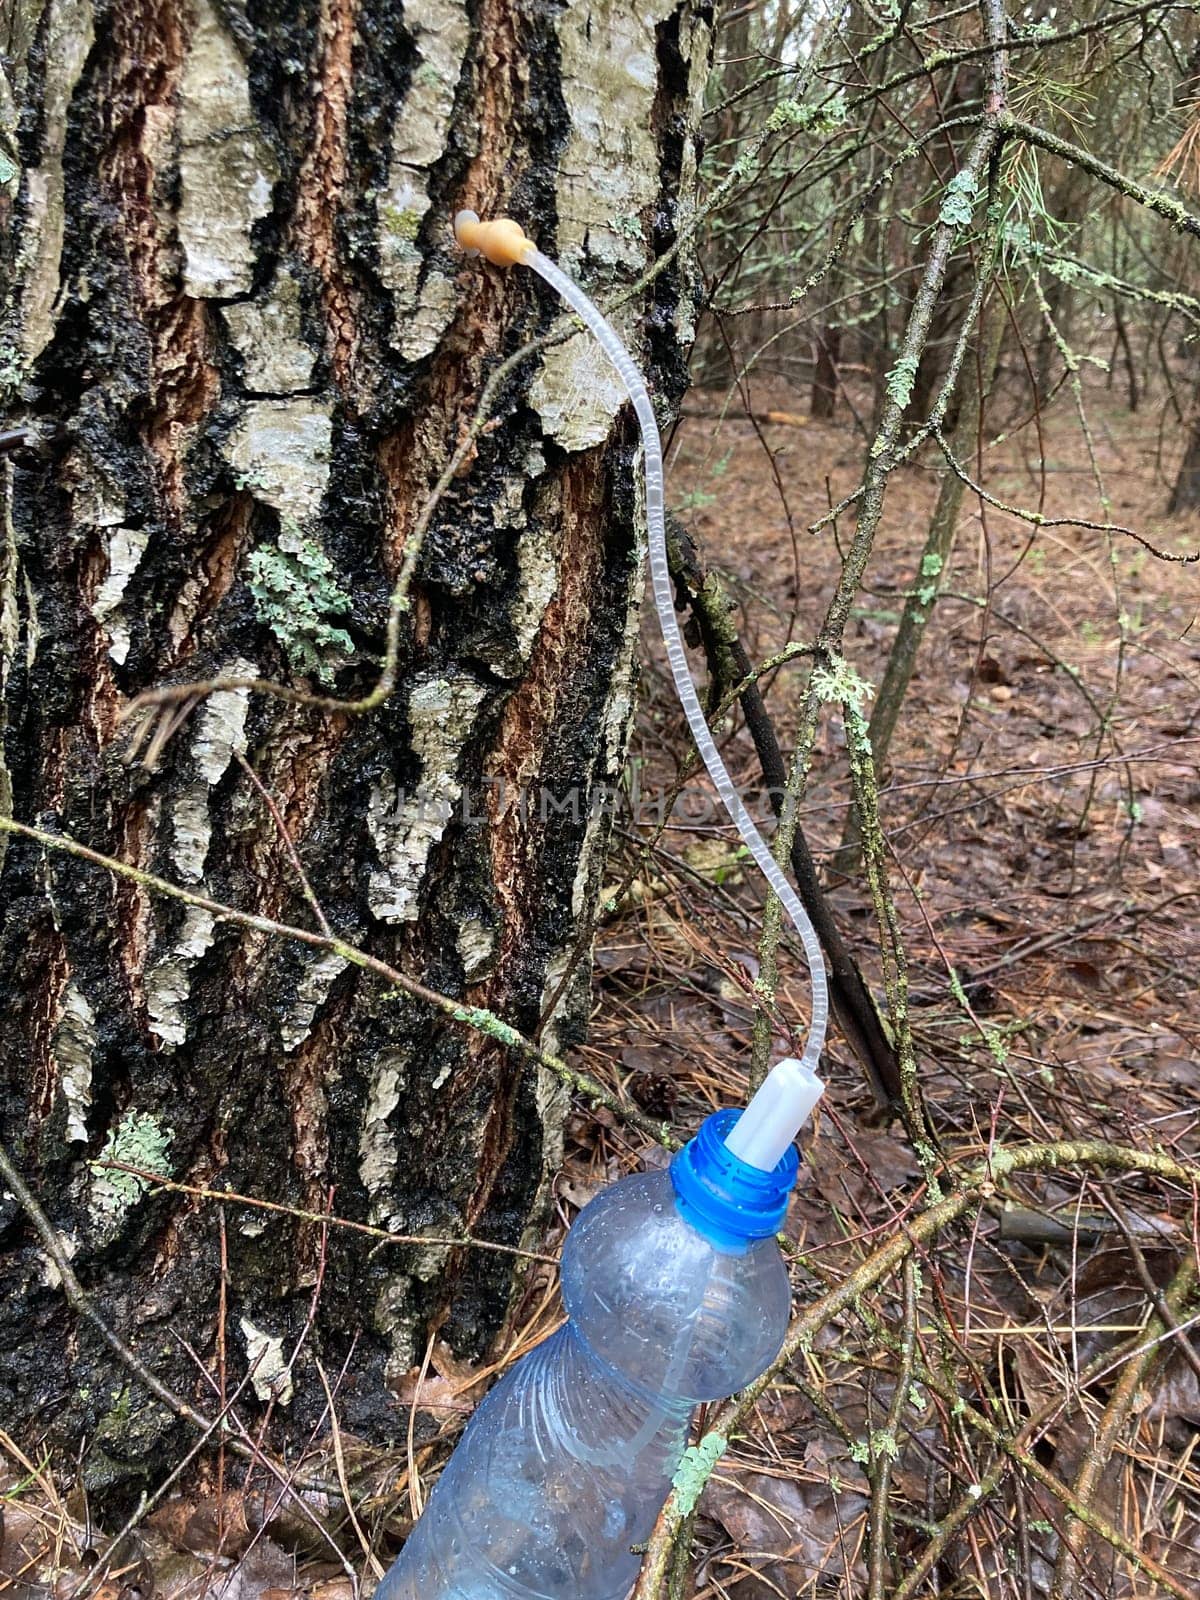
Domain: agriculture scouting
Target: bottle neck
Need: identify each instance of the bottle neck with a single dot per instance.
(730, 1202)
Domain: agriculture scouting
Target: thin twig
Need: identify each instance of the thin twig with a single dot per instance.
(384, 1235)
(885, 1447)
(288, 844)
(340, 1461)
(1112, 1423)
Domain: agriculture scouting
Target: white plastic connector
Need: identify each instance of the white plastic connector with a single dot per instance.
(774, 1117)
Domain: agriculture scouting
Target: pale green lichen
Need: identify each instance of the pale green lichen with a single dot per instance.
(957, 990)
(838, 683)
(883, 1444)
(629, 227)
(485, 1022)
(958, 202)
(695, 1470)
(295, 593)
(403, 222)
(822, 119)
(1064, 269)
(12, 366)
(787, 114)
(427, 76)
(900, 381)
(1167, 206)
(928, 1156)
(138, 1139)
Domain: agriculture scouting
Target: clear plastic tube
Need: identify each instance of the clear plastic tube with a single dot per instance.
(787, 1097)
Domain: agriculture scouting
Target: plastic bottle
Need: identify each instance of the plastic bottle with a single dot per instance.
(673, 1283)
(676, 1293)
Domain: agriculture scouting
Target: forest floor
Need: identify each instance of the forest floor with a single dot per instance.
(1039, 805)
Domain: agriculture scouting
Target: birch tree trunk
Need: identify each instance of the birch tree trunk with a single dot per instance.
(243, 346)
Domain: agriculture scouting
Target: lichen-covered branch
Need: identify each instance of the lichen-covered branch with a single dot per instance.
(1162, 204)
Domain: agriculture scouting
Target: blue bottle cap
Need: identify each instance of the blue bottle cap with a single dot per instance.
(721, 1196)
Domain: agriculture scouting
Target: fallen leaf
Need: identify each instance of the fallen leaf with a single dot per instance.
(787, 1532)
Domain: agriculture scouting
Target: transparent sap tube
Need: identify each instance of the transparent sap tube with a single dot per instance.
(792, 1088)
(673, 1283)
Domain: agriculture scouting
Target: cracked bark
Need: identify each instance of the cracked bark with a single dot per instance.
(242, 346)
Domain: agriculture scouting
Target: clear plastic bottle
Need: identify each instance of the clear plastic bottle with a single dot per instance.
(675, 1293)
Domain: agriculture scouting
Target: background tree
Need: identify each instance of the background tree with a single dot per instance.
(242, 348)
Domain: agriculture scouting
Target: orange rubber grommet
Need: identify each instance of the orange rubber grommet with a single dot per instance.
(502, 240)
